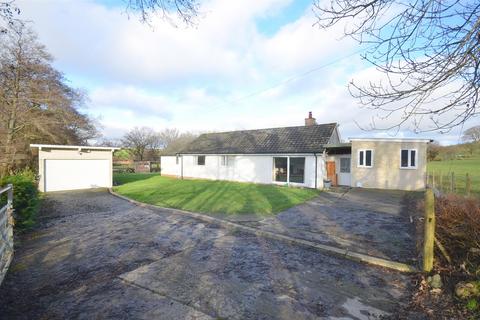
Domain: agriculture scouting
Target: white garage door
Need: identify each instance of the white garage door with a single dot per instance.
(76, 174)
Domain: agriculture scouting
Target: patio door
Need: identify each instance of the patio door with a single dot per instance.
(344, 175)
(289, 169)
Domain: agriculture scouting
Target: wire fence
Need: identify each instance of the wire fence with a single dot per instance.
(467, 184)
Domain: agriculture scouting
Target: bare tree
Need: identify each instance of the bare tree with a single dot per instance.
(428, 52)
(433, 150)
(177, 143)
(186, 10)
(472, 134)
(36, 104)
(139, 140)
(107, 142)
(8, 13)
(168, 136)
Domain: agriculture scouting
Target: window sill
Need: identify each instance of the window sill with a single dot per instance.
(408, 168)
(299, 184)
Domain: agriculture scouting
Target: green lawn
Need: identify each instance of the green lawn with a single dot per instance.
(209, 196)
(460, 168)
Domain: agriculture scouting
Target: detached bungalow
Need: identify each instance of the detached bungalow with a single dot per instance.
(304, 156)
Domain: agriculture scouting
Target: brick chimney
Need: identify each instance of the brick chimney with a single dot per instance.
(310, 121)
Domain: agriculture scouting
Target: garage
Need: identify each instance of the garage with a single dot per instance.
(64, 167)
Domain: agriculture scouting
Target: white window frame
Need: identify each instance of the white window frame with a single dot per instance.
(365, 158)
(288, 182)
(409, 167)
(224, 161)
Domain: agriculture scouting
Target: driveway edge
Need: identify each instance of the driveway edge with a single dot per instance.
(359, 257)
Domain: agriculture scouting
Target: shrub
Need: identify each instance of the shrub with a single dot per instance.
(25, 197)
(458, 229)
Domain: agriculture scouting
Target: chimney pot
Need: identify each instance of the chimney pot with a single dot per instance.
(310, 121)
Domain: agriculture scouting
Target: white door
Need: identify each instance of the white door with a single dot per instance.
(344, 176)
(76, 174)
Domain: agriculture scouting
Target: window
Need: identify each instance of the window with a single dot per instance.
(344, 165)
(280, 169)
(408, 158)
(365, 158)
(224, 160)
(297, 170)
(200, 160)
(286, 169)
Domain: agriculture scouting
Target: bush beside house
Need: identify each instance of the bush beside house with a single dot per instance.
(25, 197)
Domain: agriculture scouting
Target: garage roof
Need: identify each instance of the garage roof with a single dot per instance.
(58, 146)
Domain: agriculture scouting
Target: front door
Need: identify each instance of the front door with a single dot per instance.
(331, 173)
(344, 176)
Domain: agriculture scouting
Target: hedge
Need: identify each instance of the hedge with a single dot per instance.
(25, 197)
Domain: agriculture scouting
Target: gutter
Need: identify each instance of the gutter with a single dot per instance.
(181, 167)
(316, 169)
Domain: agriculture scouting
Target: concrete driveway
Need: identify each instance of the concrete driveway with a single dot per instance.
(374, 222)
(95, 256)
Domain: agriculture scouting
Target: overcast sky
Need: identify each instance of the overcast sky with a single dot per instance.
(248, 64)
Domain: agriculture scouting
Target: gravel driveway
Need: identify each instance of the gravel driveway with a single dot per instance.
(370, 221)
(93, 255)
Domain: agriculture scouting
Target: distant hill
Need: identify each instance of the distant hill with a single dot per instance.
(468, 150)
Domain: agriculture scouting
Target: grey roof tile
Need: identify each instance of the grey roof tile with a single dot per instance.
(302, 139)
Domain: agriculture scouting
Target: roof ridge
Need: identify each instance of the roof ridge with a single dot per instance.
(250, 130)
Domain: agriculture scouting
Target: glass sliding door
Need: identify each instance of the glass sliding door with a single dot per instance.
(289, 169)
(297, 170)
(280, 169)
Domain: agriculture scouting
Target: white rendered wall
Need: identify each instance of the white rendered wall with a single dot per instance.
(246, 168)
(169, 167)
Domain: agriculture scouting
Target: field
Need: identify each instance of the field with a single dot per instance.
(207, 196)
(442, 171)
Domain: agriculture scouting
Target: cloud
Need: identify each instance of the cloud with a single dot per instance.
(130, 99)
(88, 38)
(300, 45)
(225, 74)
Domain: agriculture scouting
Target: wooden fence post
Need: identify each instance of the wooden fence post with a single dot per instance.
(468, 185)
(429, 231)
(452, 183)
